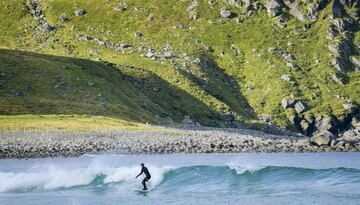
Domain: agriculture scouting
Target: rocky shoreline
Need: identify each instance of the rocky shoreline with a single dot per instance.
(33, 144)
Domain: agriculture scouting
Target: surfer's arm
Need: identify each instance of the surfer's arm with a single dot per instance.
(139, 174)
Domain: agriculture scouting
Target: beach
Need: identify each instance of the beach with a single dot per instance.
(33, 144)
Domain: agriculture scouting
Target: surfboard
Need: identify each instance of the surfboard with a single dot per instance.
(141, 190)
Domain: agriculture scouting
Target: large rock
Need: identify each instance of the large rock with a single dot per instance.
(273, 7)
(285, 103)
(299, 107)
(322, 138)
(226, 13)
(80, 12)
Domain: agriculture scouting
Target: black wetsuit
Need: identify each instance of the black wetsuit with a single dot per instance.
(147, 176)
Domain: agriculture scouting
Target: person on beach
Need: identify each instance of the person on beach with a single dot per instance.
(147, 175)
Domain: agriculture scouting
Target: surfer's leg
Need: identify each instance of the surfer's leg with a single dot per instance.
(144, 184)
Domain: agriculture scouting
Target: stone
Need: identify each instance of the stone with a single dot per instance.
(287, 56)
(80, 12)
(91, 84)
(247, 6)
(167, 55)
(138, 34)
(304, 125)
(285, 103)
(17, 93)
(322, 138)
(355, 61)
(299, 107)
(150, 54)
(63, 17)
(338, 64)
(2, 85)
(337, 79)
(226, 13)
(120, 8)
(291, 65)
(273, 7)
(286, 77)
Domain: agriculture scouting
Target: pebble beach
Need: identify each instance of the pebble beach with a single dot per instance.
(36, 144)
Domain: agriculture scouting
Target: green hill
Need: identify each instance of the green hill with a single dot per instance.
(292, 63)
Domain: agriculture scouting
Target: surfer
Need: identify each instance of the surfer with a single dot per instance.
(147, 175)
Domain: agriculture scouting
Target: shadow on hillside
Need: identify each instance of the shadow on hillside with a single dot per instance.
(220, 85)
(63, 85)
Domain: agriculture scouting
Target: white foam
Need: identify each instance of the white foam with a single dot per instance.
(51, 176)
(248, 168)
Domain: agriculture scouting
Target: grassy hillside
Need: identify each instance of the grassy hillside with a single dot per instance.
(156, 60)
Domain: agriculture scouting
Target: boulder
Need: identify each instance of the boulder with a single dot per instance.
(138, 34)
(273, 7)
(63, 17)
(285, 103)
(286, 77)
(120, 8)
(323, 138)
(304, 125)
(91, 84)
(299, 107)
(355, 61)
(226, 13)
(80, 12)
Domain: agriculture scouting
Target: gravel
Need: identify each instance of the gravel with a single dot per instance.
(30, 144)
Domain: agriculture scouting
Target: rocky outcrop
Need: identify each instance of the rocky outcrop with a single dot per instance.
(34, 7)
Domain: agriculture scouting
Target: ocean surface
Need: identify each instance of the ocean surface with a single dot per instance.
(309, 178)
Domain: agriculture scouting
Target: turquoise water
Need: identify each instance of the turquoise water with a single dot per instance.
(316, 178)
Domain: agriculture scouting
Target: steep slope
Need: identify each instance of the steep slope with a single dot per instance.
(290, 63)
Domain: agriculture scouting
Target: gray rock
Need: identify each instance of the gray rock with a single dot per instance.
(120, 8)
(338, 64)
(235, 3)
(91, 84)
(138, 34)
(226, 13)
(17, 93)
(299, 107)
(322, 138)
(80, 12)
(2, 85)
(167, 55)
(247, 6)
(286, 77)
(355, 61)
(291, 65)
(304, 125)
(63, 17)
(295, 10)
(285, 103)
(337, 79)
(273, 7)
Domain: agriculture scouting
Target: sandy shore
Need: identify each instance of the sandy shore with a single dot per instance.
(26, 144)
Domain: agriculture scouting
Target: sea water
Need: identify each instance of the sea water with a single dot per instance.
(263, 178)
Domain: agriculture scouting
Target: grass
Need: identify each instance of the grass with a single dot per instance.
(78, 123)
(126, 91)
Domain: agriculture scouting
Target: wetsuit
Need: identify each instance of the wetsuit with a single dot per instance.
(147, 176)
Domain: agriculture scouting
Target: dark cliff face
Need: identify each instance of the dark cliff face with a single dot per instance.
(286, 64)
